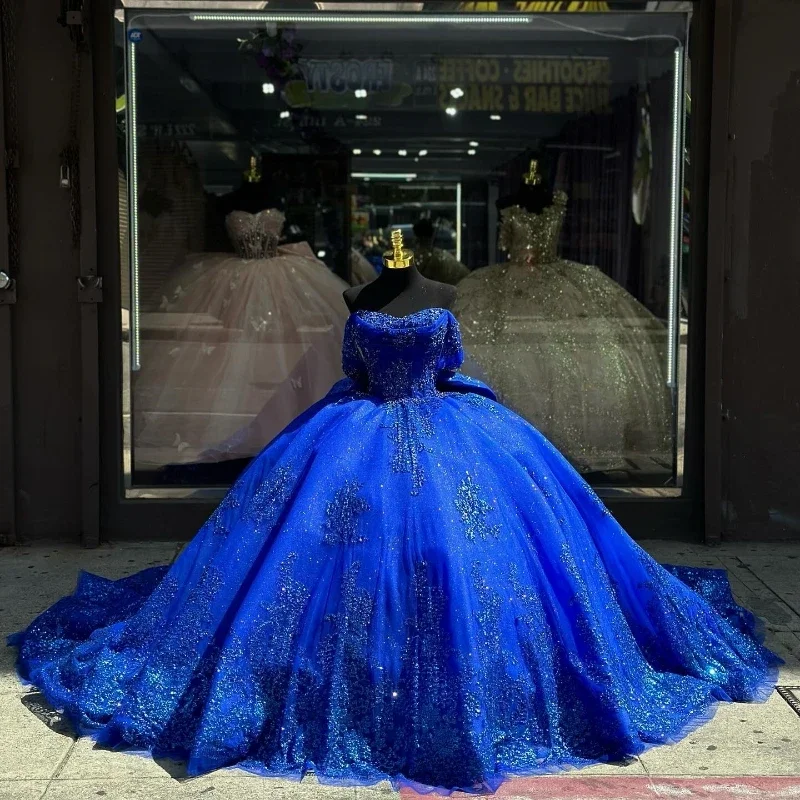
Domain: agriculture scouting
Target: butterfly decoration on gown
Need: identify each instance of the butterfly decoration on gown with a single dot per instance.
(411, 583)
(567, 347)
(240, 345)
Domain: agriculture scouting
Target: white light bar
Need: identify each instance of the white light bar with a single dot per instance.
(458, 221)
(367, 19)
(389, 176)
(133, 210)
(676, 218)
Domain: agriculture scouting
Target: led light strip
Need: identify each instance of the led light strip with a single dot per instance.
(675, 227)
(133, 207)
(458, 221)
(396, 176)
(365, 19)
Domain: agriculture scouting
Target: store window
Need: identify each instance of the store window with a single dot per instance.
(532, 156)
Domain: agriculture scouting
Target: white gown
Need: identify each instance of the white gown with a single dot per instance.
(568, 348)
(361, 271)
(240, 345)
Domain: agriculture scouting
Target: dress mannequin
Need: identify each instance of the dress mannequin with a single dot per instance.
(400, 289)
(253, 195)
(240, 345)
(564, 345)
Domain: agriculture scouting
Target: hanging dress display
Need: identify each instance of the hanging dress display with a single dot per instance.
(567, 347)
(236, 335)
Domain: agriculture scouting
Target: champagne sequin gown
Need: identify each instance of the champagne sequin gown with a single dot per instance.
(439, 265)
(409, 582)
(568, 348)
(239, 346)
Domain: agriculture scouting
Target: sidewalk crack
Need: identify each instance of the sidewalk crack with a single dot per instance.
(59, 767)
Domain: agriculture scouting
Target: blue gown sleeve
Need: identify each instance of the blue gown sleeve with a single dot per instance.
(449, 379)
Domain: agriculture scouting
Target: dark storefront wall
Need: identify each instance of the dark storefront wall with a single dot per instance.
(45, 342)
(754, 282)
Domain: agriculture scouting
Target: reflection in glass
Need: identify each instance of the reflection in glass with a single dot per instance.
(345, 126)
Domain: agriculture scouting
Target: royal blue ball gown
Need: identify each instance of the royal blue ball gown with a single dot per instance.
(410, 582)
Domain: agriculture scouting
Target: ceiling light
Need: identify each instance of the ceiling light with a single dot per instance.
(495, 118)
(361, 116)
(321, 254)
(473, 144)
(361, 93)
(402, 152)
(268, 88)
(471, 152)
(285, 114)
(356, 151)
(456, 93)
(376, 152)
(423, 152)
(451, 111)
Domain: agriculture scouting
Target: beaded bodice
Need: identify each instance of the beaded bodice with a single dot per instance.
(255, 235)
(396, 357)
(530, 237)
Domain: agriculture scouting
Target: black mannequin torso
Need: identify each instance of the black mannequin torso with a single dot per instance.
(400, 292)
(532, 193)
(534, 199)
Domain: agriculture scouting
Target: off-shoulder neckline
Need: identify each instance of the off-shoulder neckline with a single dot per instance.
(423, 318)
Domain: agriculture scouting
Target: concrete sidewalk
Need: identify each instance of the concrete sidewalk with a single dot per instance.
(746, 751)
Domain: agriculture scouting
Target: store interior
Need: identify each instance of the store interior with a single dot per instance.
(266, 158)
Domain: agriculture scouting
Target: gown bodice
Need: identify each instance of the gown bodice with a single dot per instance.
(255, 235)
(396, 357)
(531, 237)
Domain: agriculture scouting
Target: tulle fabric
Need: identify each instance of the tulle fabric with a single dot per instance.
(409, 583)
(576, 355)
(237, 349)
(361, 271)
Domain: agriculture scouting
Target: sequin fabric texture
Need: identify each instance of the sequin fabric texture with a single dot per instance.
(439, 265)
(568, 348)
(255, 235)
(410, 582)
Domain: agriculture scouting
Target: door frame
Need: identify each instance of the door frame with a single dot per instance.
(8, 298)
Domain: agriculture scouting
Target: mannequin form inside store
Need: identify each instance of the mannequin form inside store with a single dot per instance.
(253, 195)
(400, 289)
(532, 194)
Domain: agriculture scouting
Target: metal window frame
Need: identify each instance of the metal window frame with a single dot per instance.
(678, 517)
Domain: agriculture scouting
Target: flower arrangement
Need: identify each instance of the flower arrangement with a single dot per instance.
(276, 51)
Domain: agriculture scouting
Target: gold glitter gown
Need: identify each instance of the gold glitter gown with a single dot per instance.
(568, 348)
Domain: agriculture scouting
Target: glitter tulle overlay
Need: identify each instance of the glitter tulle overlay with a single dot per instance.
(410, 582)
(568, 348)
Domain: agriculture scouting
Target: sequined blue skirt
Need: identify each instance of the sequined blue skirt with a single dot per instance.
(418, 589)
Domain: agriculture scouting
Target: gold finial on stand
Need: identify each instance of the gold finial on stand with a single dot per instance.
(253, 173)
(533, 177)
(398, 257)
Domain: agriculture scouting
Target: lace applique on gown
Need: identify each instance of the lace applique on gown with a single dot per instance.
(410, 582)
(567, 347)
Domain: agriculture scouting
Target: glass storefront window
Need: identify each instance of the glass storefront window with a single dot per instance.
(533, 157)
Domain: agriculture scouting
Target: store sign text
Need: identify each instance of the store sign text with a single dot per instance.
(347, 75)
(539, 85)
